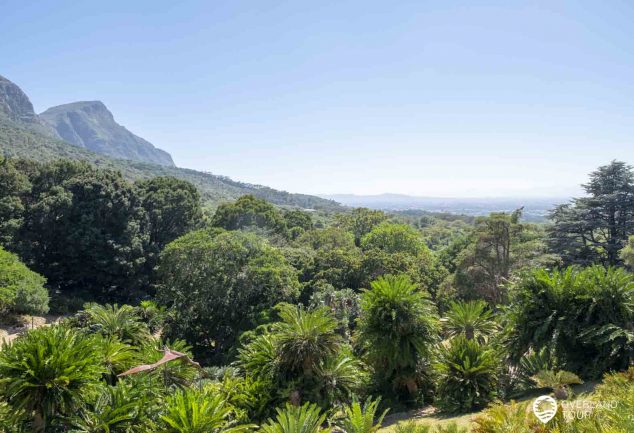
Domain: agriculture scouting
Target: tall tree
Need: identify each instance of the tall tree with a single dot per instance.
(249, 212)
(14, 185)
(595, 228)
(83, 229)
(217, 284)
(172, 206)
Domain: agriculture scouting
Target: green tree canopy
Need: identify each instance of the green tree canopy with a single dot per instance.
(14, 185)
(249, 211)
(172, 206)
(595, 228)
(83, 229)
(217, 284)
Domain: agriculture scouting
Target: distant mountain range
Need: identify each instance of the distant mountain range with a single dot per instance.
(87, 131)
(535, 209)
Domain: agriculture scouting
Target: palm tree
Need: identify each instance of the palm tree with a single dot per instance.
(48, 372)
(559, 382)
(122, 322)
(472, 319)
(397, 328)
(362, 418)
(305, 338)
(192, 411)
(296, 419)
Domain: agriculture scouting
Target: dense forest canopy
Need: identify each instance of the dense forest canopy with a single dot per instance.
(259, 315)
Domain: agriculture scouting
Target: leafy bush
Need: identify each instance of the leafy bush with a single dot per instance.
(48, 373)
(578, 315)
(296, 419)
(303, 358)
(191, 411)
(558, 381)
(360, 418)
(22, 291)
(122, 322)
(467, 375)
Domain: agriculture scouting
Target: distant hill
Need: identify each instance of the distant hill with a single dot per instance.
(24, 135)
(91, 125)
(535, 209)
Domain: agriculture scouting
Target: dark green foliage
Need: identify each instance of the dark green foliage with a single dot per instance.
(172, 206)
(499, 247)
(14, 186)
(578, 314)
(297, 222)
(467, 374)
(595, 228)
(217, 284)
(397, 328)
(48, 372)
(22, 291)
(83, 230)
(249, 212)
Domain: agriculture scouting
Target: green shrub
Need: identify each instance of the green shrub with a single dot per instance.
(296, 419)
(360, 418)
(192, 411)
(467, 375)
(22, 291)
(584, 317)
(48, 372)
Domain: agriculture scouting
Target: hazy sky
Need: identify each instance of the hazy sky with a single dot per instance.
(446, 98)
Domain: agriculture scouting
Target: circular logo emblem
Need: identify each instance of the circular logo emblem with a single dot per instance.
(545, 408)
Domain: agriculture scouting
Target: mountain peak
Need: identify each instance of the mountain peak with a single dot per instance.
(91, 125)
(16, 106)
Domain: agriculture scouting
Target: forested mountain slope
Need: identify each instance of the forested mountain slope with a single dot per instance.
(24, 135)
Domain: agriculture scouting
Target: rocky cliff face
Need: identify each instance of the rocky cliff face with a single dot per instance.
(91, 125)
(16, 107)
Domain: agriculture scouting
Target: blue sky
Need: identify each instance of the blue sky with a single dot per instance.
(488, 98)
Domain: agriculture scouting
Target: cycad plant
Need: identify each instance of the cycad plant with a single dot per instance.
(305, 338)
(558, 381)
(120, 408)
(467, 375)
(473, 319)
(296, 419)
(48, 372)
(362, 418)
(193, 411)
(122, 322)
(397, 328)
